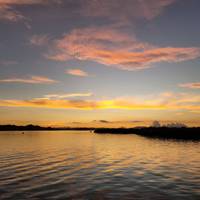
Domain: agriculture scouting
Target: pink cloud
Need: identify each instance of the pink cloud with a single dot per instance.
(125, 11)
(31, 80)
(110, 47)
(7, 12)
(194, 85)
(77, 72)
(115, 10)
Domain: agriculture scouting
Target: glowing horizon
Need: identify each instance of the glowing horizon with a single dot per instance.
(91, 62)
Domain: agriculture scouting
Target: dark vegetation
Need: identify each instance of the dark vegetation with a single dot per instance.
(184, 133)
(162, 132)
(31, 127)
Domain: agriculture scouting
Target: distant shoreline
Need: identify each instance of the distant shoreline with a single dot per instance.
(40, 128)
(186, 133)
(161, 132)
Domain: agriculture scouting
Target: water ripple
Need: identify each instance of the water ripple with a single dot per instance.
(73, 165)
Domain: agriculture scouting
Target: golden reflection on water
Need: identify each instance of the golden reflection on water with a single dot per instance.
(80, 164)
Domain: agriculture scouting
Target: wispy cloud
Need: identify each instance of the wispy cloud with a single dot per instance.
(101, 121)
(39, 40)
(165, 101)
(111, 47)
(129, 11)
(194, 85)
(70, 95)
(31, 80)
(8, 12)
(77, 72)
(113, 10)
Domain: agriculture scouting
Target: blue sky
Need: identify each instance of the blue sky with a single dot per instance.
(68, 61)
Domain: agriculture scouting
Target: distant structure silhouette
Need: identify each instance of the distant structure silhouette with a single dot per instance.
(176, 125)
(156, 124)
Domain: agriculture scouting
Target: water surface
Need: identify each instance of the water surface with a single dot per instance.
(84, 165)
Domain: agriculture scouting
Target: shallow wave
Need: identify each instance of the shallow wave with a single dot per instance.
(83, 165)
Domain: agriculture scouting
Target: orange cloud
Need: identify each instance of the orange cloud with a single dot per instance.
(76, 72)
(195, 85)
(171, 101)
(31, 80)
(113, 48)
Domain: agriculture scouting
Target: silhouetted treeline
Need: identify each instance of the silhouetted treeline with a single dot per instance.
(31, 127)
(162, 132)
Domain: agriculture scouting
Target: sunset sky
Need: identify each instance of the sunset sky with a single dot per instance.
(99, 62)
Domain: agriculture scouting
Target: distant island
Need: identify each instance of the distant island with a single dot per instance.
(172, 131)
(156, 130)
(183, 133)
(31, 127)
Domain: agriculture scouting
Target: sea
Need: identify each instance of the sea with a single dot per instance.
(82, 165)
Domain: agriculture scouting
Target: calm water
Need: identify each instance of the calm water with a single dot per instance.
(83, 165)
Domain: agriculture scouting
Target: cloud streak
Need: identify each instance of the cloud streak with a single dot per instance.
(194, 85)
(112, 10)
(8, 12)
(76, 72)
(115, 11)
(130, 10)
(164, 101)
(111, 47)
(31, 80)
(71, 95)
